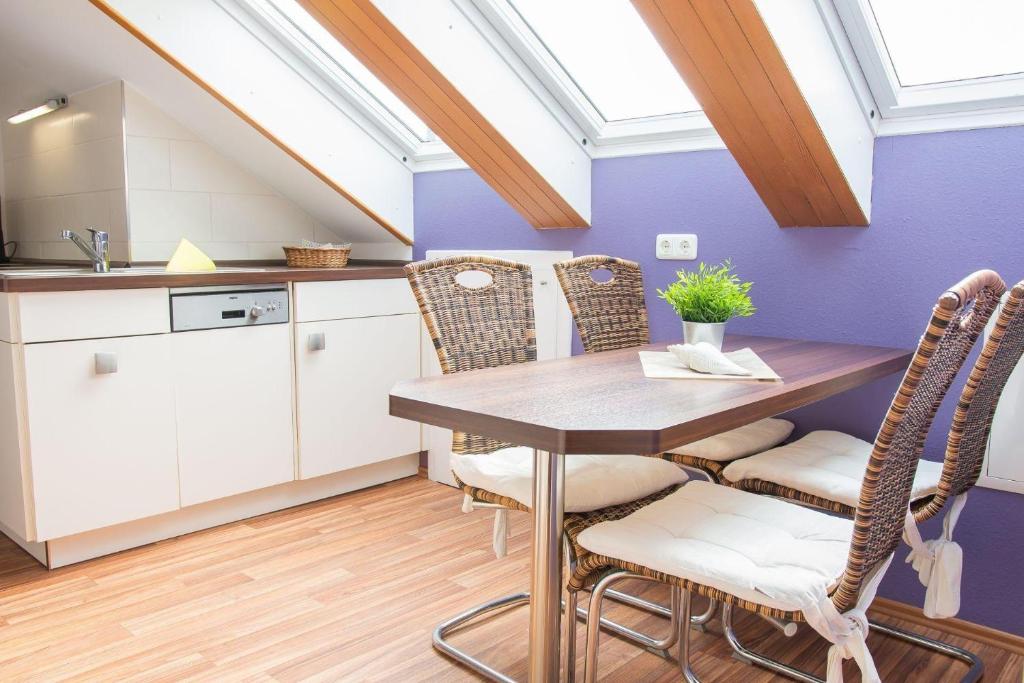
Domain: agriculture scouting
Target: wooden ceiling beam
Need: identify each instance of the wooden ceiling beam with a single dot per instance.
(377, 42)
(726, 53)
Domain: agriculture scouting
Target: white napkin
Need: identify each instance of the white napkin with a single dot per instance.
(703, 357)
(665, 365)
(310, 244)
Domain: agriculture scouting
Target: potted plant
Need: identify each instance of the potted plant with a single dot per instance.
(706, 299)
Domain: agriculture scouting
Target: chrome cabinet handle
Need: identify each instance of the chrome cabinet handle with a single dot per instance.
(317, 341)
(105, 363)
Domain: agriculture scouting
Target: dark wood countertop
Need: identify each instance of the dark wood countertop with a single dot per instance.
(74, 280)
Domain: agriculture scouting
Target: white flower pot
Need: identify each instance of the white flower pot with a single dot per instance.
(712, 333)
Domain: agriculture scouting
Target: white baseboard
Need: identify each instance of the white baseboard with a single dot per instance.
(91, 544)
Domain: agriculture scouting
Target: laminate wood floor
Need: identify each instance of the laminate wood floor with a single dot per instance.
(346, 589)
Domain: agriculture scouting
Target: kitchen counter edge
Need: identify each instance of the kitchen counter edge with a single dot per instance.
(12, 282)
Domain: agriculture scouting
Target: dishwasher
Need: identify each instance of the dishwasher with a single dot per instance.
(231, 355)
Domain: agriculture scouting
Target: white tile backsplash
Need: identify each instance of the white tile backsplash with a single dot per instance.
(98, 165)
(98, 113)
(28, 250)
(263, 251)
(152, 251)
(245, 218)
(118, 202)
(144, 119)
(196, 167)
(226, 251)
(66, 251)
(88, 210)
(67, 170)
(34, 220)
(166, 216)
(248, 218)
(149, 163)
(323, 234)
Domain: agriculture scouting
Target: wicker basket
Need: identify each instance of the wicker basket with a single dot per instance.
(302, 257)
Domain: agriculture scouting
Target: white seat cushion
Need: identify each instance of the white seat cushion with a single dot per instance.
(757, 548)
(827, 464)
(741, 442)
(591, 481)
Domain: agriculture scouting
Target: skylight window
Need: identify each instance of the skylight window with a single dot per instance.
(608, 51)
(937, 41)
(347, 62)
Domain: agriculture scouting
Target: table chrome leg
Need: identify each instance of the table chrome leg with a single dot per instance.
(546, 581)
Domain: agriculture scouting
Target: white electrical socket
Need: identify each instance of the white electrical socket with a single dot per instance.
(676, 247)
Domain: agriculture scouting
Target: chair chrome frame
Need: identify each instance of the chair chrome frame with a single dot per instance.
(459, 620)
(492, 608)
(681, 616)
(745, 654)
(683, 599)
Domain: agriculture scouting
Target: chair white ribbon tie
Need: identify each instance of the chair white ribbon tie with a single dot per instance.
(846, 631)
(939, 563)
(499, 538)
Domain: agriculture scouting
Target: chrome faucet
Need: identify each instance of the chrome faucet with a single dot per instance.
(98, 252)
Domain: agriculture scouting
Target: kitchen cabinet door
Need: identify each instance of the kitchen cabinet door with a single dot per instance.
(101, 432)
(343, 391)
(233, 389)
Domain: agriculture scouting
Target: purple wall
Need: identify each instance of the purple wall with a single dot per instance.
(945, 204)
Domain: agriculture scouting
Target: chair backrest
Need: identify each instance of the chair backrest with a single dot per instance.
(609, 315)
(476, 327)
(972, 421)
(957, 321)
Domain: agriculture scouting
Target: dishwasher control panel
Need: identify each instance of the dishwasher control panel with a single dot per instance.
(207, 308)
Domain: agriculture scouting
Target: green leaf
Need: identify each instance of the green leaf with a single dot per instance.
(711, 294)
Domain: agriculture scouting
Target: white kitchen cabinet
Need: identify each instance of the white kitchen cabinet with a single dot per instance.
(343, 388)
(102, 439)
(233, 390)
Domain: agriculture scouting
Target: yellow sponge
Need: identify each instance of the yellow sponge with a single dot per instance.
(189, 259)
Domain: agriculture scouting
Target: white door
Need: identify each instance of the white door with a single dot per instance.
(101, 435)
(233, 389)
(554, 338)
(344, 373)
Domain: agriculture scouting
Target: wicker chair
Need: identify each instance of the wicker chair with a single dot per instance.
(803, 564)
(612, 315)
(787, 472)
(940, 487)
(493, 325)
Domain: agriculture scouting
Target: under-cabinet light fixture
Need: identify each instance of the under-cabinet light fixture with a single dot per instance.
(50, 105)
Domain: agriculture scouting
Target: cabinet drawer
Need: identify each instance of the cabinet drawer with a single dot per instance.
(90, 314)
(101, 432)
(352, 299)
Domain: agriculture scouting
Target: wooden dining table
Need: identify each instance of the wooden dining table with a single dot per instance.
(603, 404)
